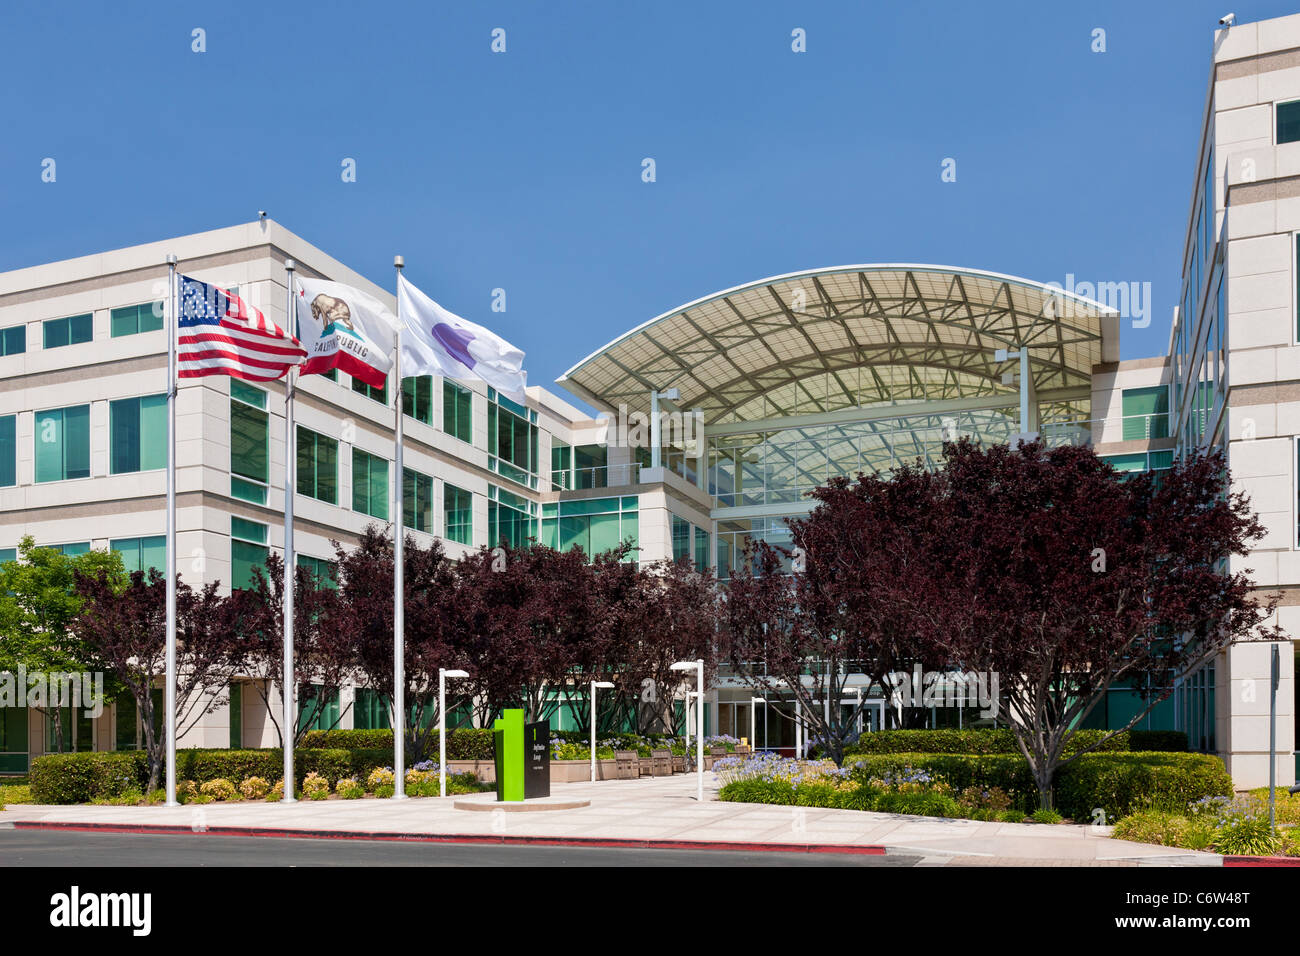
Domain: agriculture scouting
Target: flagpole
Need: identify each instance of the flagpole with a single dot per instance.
(399, 617)
(169, 693)
(288, 683)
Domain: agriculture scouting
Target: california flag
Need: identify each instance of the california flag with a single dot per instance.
(344, 328)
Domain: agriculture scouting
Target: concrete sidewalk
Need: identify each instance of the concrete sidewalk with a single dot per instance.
(649, 812)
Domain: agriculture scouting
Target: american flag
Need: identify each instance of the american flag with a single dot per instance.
(220, 334)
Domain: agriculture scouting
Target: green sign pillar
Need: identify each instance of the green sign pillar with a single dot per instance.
(508, 733)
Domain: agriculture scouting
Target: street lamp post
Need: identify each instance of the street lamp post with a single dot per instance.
(595, 684)
(443, 674)
(698, 667)
(753, 727)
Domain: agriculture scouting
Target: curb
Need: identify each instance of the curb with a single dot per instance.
(471, 838)
(1261, 861)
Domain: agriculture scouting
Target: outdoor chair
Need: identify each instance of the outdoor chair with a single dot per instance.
(663, 763)
(626, 765)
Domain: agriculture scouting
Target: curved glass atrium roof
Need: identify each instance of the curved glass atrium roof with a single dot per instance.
(830, 340)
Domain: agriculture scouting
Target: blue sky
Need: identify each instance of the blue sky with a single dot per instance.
(522, 170)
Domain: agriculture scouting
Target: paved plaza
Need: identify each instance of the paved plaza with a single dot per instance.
(651, 812)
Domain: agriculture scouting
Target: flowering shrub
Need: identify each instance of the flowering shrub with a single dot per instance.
(254, 788)
(773, 768)
(986, 798)
(315, 787)
(560, 750)
(219, 789)
(910, 780)
(723, 740)
(276, 792)
(186, 790)
(349, 788)
(380, 777)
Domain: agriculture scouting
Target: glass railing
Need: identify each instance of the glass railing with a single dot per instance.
(601, 476)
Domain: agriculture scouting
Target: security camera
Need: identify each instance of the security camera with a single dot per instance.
(1228, 21)
(261, 213)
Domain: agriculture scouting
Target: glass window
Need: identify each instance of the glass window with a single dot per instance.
(597, 525)
(561, 465)
(8, 554)
(124, 719)
(369, 484)
(73, 330)
(137, 434)
(417, 398)
(132, 319)
(1146, 412)
(375, 394)
(1288, 122)
(248, 550)
(13, 340)
(236, 715)
(681, 539)
(511, 519)
(63, 443)
(589, 469)
(457, 514)
(417, 501)
(457, 410)
(8, 451)
(249, 442)
(369, 712)
(326, 571)
(702, 556)
(512, 439)
(318, 466)
(1136, 461)
(141, 554)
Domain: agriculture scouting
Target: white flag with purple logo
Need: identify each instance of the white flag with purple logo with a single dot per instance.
(438, 342)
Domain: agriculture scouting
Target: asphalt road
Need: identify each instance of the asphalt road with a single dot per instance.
(50, 848)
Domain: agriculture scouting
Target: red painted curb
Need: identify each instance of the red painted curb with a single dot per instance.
(472, 838)
(1261, 861)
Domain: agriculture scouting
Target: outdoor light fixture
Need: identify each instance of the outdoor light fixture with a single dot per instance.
(443, 674)
(698, 667)
(594, 685)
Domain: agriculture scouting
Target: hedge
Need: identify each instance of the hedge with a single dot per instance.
(1003, 741)
(1117, 783)
(80, 778)
(462, 744)
(828, 795)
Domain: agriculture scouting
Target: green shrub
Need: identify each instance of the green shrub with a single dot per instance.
(1165, 829)
(218, 789)
(80, 778)
(1117, 783)
(384, 791)
(1012, 816)
(315, 787)
(1120, 784)
(1246, 836)
(254, 788)
(1046, 816)
(349, 788)
(202, 765)
(919, 804)
(1003, 741)
(463, 744)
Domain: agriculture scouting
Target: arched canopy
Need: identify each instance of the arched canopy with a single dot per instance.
(853, 336)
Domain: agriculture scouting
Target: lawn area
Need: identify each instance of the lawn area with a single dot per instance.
(14, 790)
